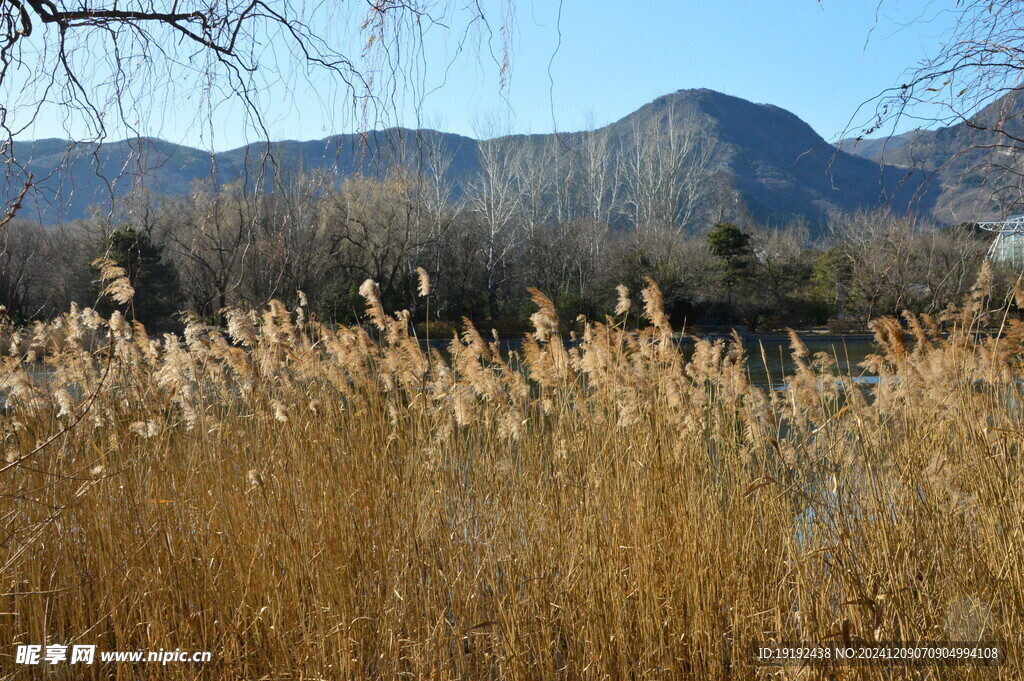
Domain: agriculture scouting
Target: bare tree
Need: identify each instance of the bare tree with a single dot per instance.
(945, 265)
(296, 247)
(541, 173)
(436, 212)
(209, 236)
(380, 231)
(27, 254)
(981, 60)
(597, 176)
(872, 263)
(495, 198)
(781, 268)
(665, 172)
(102, 66)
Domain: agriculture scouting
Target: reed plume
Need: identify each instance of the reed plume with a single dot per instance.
(423, 287)
(319, 501)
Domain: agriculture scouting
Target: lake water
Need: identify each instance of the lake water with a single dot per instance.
(848, 353)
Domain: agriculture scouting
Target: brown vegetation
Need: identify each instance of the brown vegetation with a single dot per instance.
(311, 501)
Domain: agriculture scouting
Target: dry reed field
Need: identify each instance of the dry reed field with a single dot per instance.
(309, 501)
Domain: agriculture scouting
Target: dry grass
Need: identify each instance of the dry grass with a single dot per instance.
(309, 502)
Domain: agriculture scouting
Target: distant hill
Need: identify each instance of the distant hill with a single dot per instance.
(72, 179)
(784, 169)
(975, 166)
(780, 167)
(873, 147)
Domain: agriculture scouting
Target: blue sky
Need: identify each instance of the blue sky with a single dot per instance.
(820, 60)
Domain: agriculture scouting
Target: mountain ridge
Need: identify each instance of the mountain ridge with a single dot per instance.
(975, 166)
(778, 165)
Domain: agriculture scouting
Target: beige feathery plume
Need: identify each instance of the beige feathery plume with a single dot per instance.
(370, 291)
(471, 338)
(1018, 296)
(914, 325)
(117, 287)
(654, 306)
(624, 303)
(981, 290)
(424, 283)
(241, 326)
(254, 477)
(117, 324)
(545, 319)
(796, 344)
(984, 283)
(932, 327)
(145, 429)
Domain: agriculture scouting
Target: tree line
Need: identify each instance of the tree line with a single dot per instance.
(574, 221)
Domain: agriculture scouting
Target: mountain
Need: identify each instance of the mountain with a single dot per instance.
(975, 167)
(874, 147)
(783, 169)
(779, 166)
(71, 180)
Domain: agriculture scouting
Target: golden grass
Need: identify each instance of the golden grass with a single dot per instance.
(311, 502)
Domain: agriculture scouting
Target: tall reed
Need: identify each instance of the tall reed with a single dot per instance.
(317, 502)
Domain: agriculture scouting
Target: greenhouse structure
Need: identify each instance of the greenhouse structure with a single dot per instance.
(1008, 245)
